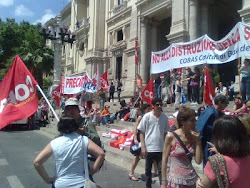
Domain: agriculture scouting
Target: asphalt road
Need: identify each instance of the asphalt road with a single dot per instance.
(19, 148)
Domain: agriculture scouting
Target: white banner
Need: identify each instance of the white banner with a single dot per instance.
(75, 84)
(203, 50)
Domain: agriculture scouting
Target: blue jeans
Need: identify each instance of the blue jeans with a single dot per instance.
(245, 88)
(158, 91)
(119, 95)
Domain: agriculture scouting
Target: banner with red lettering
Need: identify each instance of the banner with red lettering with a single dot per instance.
(18, 99)
(148, 93)
(208, 91)
(72, 85)
(234, 45)
(104, 81)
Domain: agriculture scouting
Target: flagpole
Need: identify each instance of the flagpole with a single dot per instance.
(239, 74)
(41, 91)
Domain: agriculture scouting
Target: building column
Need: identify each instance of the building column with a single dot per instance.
(143, 64)
(153, 37)
(245, 11)
(204, 18)
(193, 19)
(178, 30)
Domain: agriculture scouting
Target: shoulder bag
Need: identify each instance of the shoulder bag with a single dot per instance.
(88, 183)
(188, 154)
(222, 182)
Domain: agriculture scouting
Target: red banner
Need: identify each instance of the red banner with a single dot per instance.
(57, 94)
(148, 93)
(136, 52)
(104, 81)
(18, 99)
(208, 91)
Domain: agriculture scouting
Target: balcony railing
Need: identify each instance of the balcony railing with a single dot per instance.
(83, 23)
(120, 7)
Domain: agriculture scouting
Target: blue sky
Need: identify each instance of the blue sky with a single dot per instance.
(32, 11)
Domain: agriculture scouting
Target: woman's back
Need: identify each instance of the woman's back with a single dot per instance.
(237, 169)
(68, 153)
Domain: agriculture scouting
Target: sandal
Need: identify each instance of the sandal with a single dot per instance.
(132, 177)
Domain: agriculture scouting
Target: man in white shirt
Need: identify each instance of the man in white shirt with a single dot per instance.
(153, 128)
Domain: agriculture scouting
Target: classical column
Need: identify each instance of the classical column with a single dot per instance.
(153, 37)
(204, 18)
(193, 26)
(143, 65)
(245, 11)
(57, 72)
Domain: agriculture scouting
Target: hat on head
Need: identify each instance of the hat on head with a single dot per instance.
(72, 102)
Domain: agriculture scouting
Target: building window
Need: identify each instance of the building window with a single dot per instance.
(118, 72)
(82, 47)
(119, 35)
(120, 2)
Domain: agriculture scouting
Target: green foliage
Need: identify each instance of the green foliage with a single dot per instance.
(25, 40)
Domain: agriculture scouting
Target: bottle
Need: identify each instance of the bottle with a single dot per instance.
(136, 147)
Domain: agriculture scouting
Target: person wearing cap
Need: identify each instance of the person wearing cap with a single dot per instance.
(89, 130)
(245, 81)
(205, 123)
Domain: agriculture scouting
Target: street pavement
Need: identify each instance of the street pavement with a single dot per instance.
(19, 148)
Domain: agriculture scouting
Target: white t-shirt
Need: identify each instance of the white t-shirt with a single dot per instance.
(155, 130)
(68, 153)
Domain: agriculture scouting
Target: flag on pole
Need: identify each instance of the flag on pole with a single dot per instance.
(96, 80)
(136, 52)
(57, 94)
(148, 92)
(104, 81)
(18, 99)
(208, 91)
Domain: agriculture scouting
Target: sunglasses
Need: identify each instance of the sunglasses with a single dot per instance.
(158, 104)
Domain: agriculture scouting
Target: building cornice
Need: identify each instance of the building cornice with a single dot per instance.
(119, 15)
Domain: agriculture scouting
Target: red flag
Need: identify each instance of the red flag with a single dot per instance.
(208, 91)
(18, 99)
(57, 94)
(136, 52)
(96, 79)
(148, 93)
(104, 81)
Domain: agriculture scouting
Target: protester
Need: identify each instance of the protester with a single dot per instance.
(83, 99)
(206, 120)
(178, 86)
(195, 85)
(157, 86)
(68, 151)
(111, 92)
(119, 89)
(190, 73)
(62, 102)
(167, 85)
(96, 114)
(136, 141)
(44, 112)
(102, 98)
(231, 92)
(245, 119)
(221, 89)
(230, 142)
(106, 116)
(238, 105)
(181, 173)
(153, 127)
(245, 80)
(138, 84)
(200, 110)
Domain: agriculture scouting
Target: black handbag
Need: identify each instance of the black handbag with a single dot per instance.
(135, 149)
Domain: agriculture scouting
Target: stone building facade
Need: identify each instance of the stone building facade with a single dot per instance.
(106, 31)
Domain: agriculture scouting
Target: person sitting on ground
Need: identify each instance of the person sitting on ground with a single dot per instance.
(230, 141)
(221, 89)
(69, 151)
(238, 105)
(246, 109)
(124, 109)
(96, 114)
(231, 91)
(105, 116)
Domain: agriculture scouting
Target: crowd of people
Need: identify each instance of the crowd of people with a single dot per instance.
(208, 136)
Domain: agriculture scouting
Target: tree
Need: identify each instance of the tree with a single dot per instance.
(24, 39)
